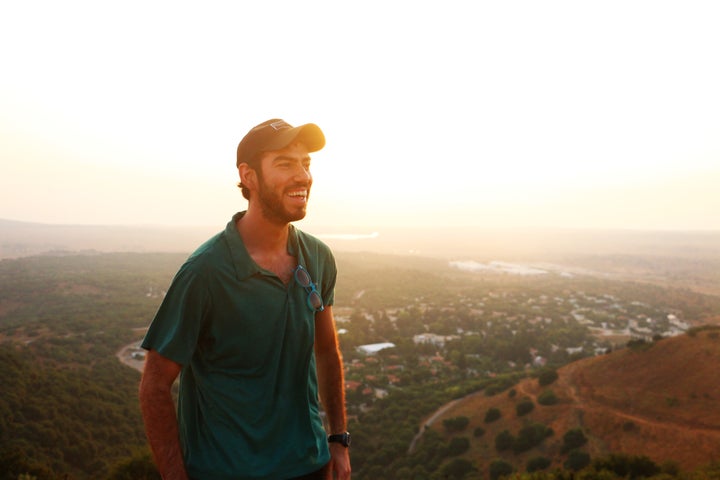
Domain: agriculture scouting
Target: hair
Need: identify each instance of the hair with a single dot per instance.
(254, 163)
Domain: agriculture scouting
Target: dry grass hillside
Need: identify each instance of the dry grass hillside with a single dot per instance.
(660, 400)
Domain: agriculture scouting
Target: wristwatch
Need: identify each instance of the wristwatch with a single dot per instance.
(341, 438)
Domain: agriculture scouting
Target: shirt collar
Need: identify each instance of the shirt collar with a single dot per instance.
(245, 266)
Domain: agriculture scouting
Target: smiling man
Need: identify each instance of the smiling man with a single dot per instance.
(248, 326)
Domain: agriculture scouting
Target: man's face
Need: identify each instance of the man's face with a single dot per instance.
(284, 182)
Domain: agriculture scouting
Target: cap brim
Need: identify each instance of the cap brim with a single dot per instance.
(309, 134)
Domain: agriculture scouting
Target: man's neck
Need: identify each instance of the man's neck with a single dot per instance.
(261, 235)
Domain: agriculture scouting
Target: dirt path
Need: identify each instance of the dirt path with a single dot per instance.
(431, 419)
(125, 356)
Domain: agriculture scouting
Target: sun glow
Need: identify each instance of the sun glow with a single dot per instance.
(491, 115)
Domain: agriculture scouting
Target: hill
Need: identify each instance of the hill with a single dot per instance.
(657, 400)
(63, 319)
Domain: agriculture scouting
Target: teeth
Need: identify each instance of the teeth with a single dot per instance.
(298, 194)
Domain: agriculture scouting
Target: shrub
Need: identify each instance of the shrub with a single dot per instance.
(639, 344)
(492, 414)
(547, 397)
(573, 439)
(499, 468)
(531, 436)
(504, 441)
(577, 460)
(458, 468)
(633, 466)
(456, 424)
(537, 463)
(458, 446)
(547, 377)
(524, 407)
(139, 467)
(478, 432)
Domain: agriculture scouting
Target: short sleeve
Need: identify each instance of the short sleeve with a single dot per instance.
(177, 325)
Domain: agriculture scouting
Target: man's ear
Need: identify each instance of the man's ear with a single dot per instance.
(248, 176)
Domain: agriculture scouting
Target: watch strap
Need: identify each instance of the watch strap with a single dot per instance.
(341, 438)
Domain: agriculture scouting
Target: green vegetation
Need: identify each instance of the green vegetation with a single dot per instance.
(457, 424)
(69, 407)
(499, 468)
(524, 407)
(577, 460)
(547, 377)
(538, 463)
(573, 439)
(492, 414)
(531, 436)
(504, 441)
(547, 397)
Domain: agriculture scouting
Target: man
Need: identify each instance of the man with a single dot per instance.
(247, 323)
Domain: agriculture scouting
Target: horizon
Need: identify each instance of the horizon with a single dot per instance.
(21, 239)
(368, 232)
(491, 116)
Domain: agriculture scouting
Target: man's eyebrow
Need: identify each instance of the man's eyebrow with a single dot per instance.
(281, 158)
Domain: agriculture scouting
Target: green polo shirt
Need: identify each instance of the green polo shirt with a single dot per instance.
(248, 401)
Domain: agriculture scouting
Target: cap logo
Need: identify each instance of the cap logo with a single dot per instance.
(280, 125)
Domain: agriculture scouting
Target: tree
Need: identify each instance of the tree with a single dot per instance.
(547, 377)
(547, 397)
(504, 441)
(573, 439)
(456, 424)
(537, 463)
(499, 468)
(458, 445)
(138, 467)
(577, 460)
(524, 407)
(492, 414)
(530, 436)
(457, 468)
(632, 466)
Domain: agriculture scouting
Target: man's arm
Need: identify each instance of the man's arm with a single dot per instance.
(332, 386)
(158, 411)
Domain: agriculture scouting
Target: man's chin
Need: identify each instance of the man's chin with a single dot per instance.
(285, 217)
(299, 216)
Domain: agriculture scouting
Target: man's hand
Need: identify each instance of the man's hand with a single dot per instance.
(340, 460)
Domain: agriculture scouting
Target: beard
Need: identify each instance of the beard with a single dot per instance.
(271, 204)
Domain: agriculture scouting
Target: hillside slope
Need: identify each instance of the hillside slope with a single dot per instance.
(660, 400)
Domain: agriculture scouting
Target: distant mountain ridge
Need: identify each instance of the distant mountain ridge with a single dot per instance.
(659, 400)
(21, 239)
(669, 259)
(18, 239)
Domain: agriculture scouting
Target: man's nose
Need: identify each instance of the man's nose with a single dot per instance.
(303, 173)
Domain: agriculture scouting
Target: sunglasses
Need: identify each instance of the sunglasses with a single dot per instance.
(314, 300)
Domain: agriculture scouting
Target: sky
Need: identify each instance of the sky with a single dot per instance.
(567, 114)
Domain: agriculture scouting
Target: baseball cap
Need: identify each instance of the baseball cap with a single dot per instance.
(277, 134)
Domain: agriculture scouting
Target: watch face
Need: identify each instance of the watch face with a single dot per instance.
(341, 438)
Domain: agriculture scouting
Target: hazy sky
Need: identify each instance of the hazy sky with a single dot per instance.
(495, 114)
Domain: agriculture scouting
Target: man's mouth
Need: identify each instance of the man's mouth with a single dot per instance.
(298, 194)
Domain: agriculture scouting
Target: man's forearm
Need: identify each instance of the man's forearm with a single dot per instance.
(332, 389)
(161, 428)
